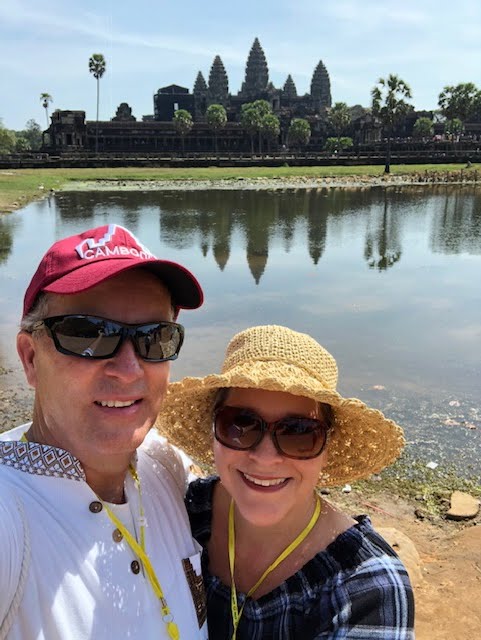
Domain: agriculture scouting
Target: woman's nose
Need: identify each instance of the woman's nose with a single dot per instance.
(266, 449)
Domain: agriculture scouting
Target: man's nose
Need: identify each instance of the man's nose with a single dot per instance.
(126, 363)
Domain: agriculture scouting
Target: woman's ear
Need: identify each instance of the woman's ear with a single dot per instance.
(26, 348)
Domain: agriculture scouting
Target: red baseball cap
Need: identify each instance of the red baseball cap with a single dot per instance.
(79, 262)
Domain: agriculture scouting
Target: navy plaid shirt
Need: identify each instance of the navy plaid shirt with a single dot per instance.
(357, 588)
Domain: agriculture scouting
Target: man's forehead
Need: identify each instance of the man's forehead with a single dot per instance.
(140, 284)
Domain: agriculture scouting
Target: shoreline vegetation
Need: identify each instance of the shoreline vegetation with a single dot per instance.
(18, 187)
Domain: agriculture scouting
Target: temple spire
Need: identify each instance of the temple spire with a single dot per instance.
(257, 72)
(321, 86)
(200, 85)
(200, 96)
(218, 82)
(289, 90)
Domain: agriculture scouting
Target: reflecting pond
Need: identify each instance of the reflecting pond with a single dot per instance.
(387, 279)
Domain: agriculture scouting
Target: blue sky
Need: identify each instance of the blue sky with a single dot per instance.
(45, 46)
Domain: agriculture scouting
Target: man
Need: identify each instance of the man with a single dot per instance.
(94, 537)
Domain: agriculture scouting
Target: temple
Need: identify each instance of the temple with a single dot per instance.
(69, 131)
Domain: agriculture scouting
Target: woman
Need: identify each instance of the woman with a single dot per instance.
(279, 561)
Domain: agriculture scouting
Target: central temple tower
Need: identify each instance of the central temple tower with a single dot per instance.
(257, 73)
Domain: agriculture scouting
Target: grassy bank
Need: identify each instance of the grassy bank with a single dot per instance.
(431, 489)
(18, 187)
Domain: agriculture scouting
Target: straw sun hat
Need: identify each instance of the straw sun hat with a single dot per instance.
(361, 442)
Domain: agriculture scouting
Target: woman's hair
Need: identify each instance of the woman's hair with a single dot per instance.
(325, 411)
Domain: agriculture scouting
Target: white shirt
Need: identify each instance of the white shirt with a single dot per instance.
(81, 584)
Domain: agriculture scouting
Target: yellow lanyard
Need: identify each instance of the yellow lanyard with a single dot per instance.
(236, 614)
(139, 550)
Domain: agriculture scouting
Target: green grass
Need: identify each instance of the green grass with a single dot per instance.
(430, 488)
(20, 186)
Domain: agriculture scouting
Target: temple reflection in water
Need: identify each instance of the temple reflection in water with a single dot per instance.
(214, 222)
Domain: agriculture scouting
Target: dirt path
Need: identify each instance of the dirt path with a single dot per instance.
(448, 586)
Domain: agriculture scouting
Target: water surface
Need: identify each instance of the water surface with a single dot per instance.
(387, 279)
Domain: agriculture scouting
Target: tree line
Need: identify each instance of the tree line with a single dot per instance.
(257, 119)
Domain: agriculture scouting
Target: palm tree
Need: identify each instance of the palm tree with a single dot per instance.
(270, 128)
(45, 99)
(389, 106)
(97, 69)
(339, 118)
(252, 114)
(299, 132)
(216, 119)
(250, 121)
(183, 123)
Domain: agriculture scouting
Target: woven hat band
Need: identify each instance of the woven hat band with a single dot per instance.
(271, 343)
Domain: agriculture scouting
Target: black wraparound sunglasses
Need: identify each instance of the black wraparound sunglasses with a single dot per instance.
(100, 338)
(297, 437)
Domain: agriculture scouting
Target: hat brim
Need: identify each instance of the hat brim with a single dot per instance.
(185, 290)
(362, 441)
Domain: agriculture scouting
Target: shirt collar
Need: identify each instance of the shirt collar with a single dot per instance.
(43, 460)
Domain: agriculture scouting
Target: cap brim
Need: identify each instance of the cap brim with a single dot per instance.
(185, 290)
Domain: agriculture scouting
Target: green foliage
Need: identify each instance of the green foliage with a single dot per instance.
(22, 144)
(97, 65)
(338, 144)
(299, 132)
(389, 100)
(183, 122)
(253, 112)
(252, 118)
(423, 128)
(270, 127)
(8, 140)
(216, 119)
(454, 127)
(32, 134)
(390, 106)
(216, 116)
(339, 118)
(45, 99)
(460, 101)
(262, 107)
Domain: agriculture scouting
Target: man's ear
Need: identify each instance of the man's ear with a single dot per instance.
(26, 348)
